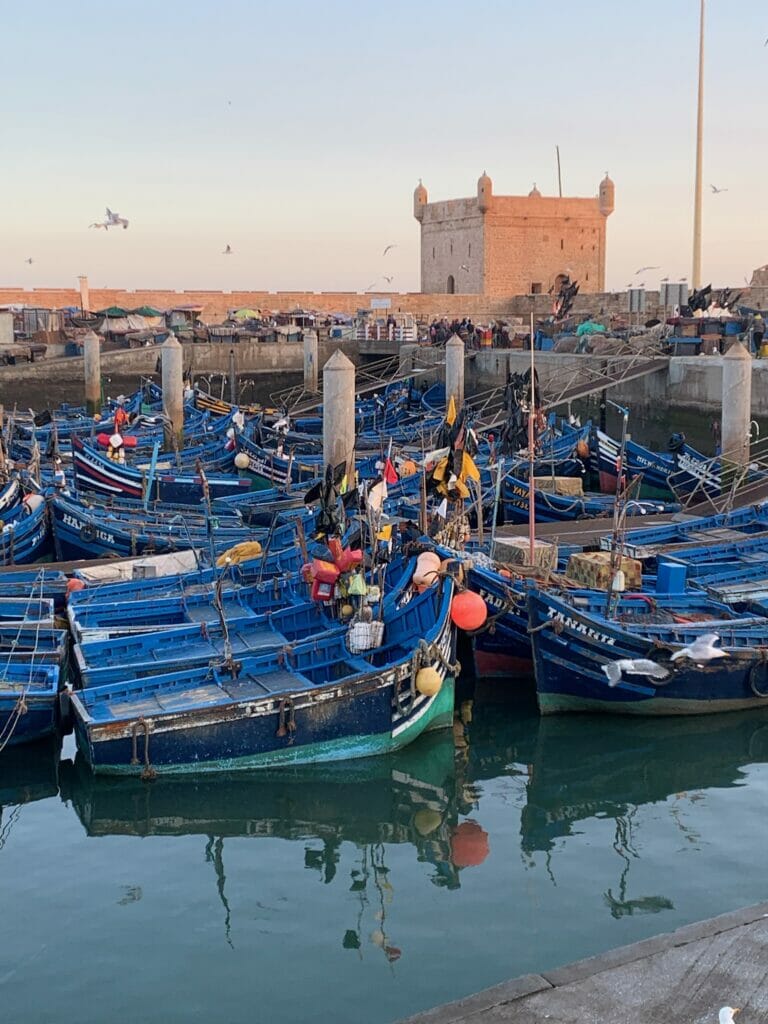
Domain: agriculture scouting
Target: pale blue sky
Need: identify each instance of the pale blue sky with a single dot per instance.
(296, 132)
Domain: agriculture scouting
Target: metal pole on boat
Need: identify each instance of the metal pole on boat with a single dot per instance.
(737, 406)
(310, 361)
(172, 356)
(696, 277)
(339, 412)
(454, 372)
(92, 368)
(532, 458)
(232, 378)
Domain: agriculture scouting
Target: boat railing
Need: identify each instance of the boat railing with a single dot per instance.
(723, 484)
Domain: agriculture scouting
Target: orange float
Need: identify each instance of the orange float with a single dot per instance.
(468, 610)
(469, 845)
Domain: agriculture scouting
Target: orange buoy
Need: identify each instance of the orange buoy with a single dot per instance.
(469, 845)
(73, 585)
(468, 610)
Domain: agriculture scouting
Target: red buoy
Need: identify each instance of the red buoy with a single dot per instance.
(468, 610)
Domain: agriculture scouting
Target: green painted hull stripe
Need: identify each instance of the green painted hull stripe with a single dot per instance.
(439, 715)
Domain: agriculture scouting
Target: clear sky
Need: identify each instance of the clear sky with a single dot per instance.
(295, 131)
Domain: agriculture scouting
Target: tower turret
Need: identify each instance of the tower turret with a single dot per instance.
(484, 192)
(420, 200)
(534, 193)
(606, 196)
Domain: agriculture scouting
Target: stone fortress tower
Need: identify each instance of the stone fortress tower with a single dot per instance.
(512, 245)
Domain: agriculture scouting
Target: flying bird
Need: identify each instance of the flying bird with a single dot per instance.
(701, 650)
(716, 191)
(464, 267)
(227, 251)
(388, 247)
(29, 260)
(727, 1013)
(633, 667)
(370, 286)
(642, 270)
(112, 220)
(389, 280)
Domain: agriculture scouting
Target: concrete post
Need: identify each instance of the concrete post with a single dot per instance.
(737, 404)
(339, 411)
(85, 295)
(172, 356)
(454, 372)
(92, 365)
(232, 378)
(310, 361)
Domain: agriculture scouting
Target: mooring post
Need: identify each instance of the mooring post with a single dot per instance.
(737, 405)
(339, 412)
(310, 361)
(85, 294)
(232, 378)
(92, 367)
(172, 356)
(454, 372)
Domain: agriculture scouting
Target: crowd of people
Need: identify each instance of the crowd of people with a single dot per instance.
(471, 334)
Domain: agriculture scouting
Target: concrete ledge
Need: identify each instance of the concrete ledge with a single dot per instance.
(677, 954)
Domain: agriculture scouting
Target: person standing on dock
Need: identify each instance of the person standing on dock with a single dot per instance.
(758, 332)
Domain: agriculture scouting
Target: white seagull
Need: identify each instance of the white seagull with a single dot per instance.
(388, 247)
(389, 280)
(642, 270)
(633, 667)
(464, 267)
(716, 191)
(727, 1013)
(29, 260)
(227, 251)
(113, 220)
(701, 650)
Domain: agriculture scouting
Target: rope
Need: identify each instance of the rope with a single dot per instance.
(554, 624)
(429, 652)
(761, 662)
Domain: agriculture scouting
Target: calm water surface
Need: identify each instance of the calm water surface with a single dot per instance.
(370, 891)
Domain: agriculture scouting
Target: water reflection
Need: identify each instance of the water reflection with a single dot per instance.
(27, 773)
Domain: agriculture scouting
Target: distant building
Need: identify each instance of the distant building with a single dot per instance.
(512, 245)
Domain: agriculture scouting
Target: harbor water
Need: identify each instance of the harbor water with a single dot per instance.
(368, 891)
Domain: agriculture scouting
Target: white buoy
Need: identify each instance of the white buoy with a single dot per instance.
(454, 372)
(92, 367)
(339, 412)
(310, 361)
(737, 404)
(172, 356)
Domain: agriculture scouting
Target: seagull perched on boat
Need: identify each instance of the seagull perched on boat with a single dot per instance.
(388, 247)
(716, 191)
(727, 1013)
(227, 251)
(633, 667)
(701, 650)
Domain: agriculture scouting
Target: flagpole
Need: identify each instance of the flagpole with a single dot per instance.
(531, 459)
(696, 276)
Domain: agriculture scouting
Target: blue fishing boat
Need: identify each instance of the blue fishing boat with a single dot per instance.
(313, 702)
(24, 535)
(96, 472)
(29, 699)
(559, 508)
(586, 662)
(680, 471)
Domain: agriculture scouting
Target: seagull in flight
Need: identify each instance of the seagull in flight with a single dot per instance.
(388, 247)
(635, 667)
(389, 280)
(642, 270)
(29, 260)
(371, 286)
(227, 251)
(701, 650)
(113, 220)
(464, 266)
(716, 191)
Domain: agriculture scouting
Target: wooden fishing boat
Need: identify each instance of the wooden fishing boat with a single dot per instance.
(572, 646)
(25, 535)
(95, 472)
(311, 703)
(29, 699)
(557, 508)
(677, 472)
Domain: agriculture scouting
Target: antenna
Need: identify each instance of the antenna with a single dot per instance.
(559, 173)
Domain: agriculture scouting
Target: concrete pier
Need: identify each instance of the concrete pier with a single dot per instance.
(454, 371)
(684, 976)
(737, 405)
(310, 361)
(339, 411)
(172, 356)
(92, 371)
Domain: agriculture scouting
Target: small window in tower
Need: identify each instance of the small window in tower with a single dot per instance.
(433, 252)
(593, 248)
(469, 249)
(587, 275)
(451, 248)
(536, 288)
(562, 244)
